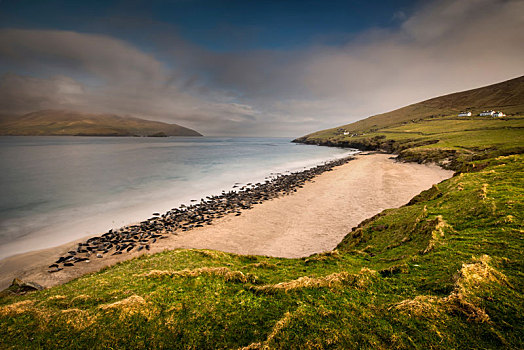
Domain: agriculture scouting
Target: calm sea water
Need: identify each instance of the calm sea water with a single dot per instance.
(57, 189)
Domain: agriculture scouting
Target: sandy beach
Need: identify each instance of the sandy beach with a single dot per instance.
(312, 220)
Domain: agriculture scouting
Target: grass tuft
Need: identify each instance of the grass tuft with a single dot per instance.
(471, 280)
(332, 281)
(223, 272)
(17, 308)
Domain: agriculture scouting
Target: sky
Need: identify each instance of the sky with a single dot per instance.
(252, 68)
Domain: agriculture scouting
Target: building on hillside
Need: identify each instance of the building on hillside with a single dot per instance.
(498, 114)
(487, 113)
(464, 114)
(346, 132)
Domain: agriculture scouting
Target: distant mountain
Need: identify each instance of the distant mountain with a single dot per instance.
(507, 96)
(60, 122)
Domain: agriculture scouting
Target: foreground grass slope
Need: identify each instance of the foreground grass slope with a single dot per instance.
(60, 123)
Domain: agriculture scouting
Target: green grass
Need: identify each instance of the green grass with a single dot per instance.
(444, 271)
(446, 140)
(452, 124)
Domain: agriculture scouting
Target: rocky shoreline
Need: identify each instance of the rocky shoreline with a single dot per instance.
(376, 143)
(143, 235)
(407, 150)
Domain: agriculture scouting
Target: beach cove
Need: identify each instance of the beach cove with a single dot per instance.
(313, 219)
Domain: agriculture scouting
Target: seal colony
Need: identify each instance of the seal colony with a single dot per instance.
(146, 233)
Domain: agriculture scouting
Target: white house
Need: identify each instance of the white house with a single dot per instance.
(346, 132)
(487, 113)
(498, 114)
(464, 114)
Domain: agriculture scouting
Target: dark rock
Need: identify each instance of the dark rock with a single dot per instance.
(19, 287)
(55, 270)
(187, 217)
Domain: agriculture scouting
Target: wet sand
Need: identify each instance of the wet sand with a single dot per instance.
(312, 220)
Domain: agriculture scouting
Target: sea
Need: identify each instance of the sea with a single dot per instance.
(54, 190)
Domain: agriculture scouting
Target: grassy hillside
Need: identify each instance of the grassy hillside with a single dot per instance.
(444, 271)
(432, 131)
(447, 140)
(507, 96)
(55, 122)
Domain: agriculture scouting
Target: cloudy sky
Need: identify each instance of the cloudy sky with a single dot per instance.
(252, 68)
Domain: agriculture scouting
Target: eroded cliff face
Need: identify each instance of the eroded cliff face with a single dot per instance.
(406, 150)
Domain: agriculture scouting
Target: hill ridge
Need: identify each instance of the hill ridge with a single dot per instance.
(57, 122)
(507, 95)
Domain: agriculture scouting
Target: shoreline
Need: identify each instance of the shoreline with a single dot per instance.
(292, 171)
(66, 212)
(286, 224)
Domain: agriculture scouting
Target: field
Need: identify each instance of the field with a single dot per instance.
(447, 140)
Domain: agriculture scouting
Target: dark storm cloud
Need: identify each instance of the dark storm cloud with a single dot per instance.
(120, 79)
(442, 47)
(102, 56)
